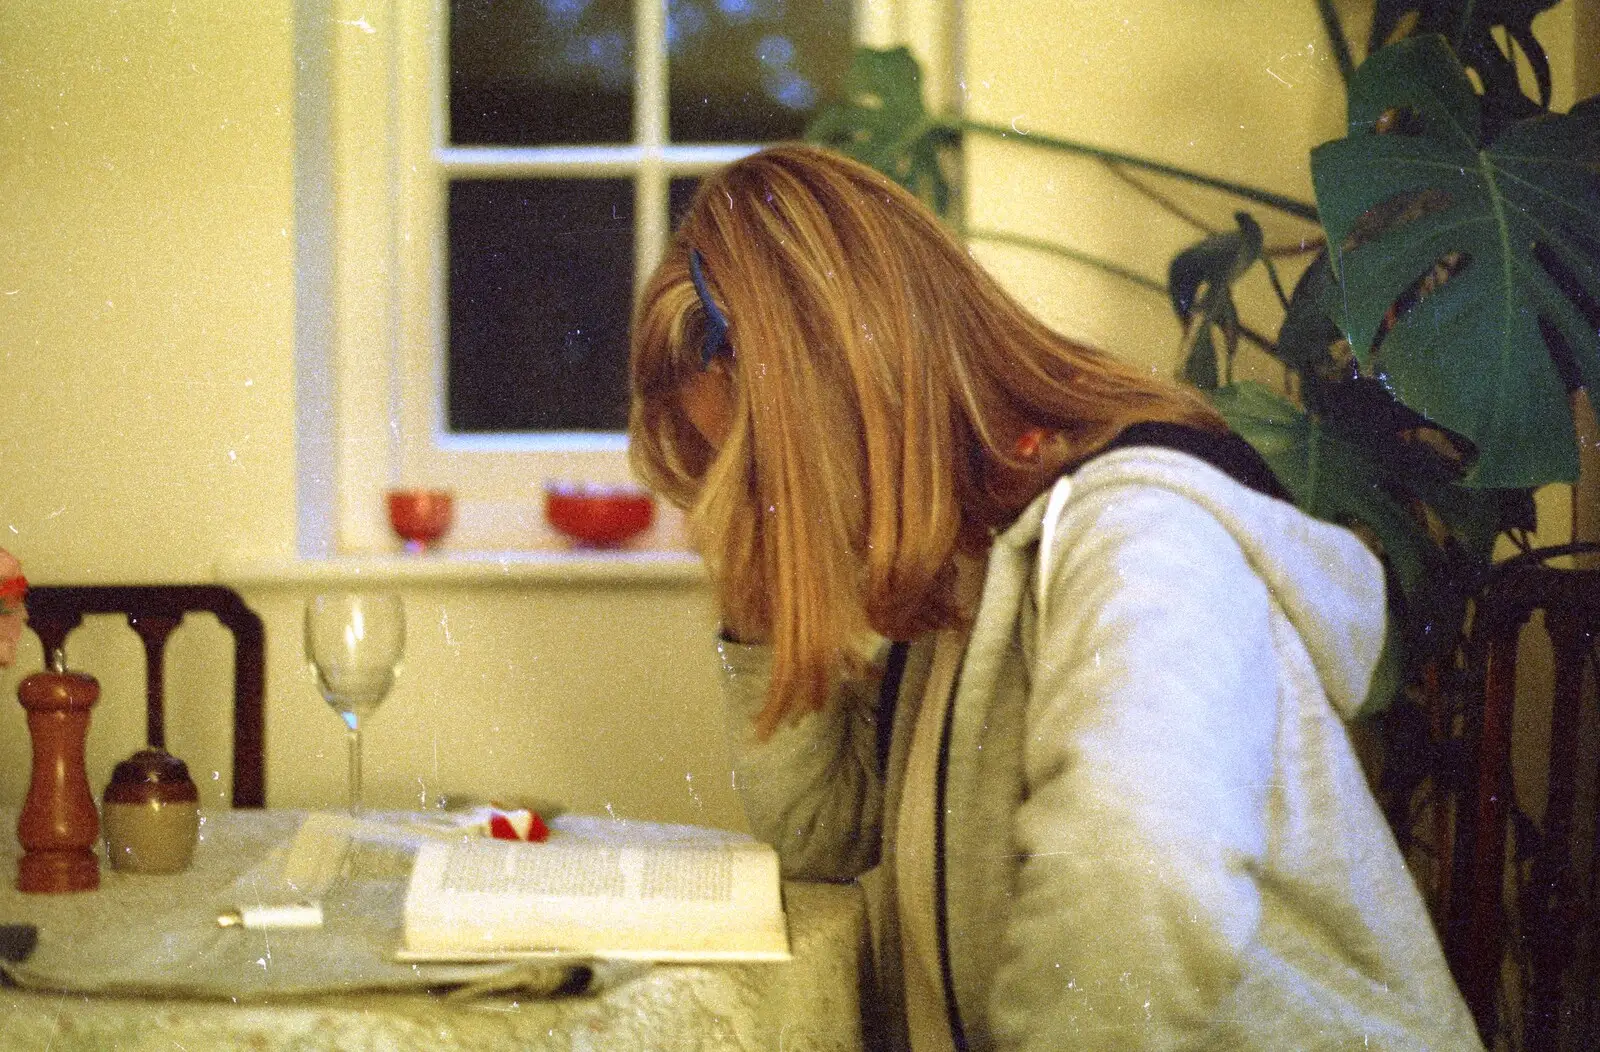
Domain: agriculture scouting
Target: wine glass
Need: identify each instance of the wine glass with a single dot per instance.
(354, 641)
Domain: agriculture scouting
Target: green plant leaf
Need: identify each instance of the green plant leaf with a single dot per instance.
(881, 121)
(882, 101)
(1477, 517)
(1200, 285)
(1218, 260)
(1517, 221)
(1469, 27)
(1200, 366)
(1422, 77)
(1308, 329)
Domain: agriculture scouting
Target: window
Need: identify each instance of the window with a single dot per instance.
(545, 242)
(500, 177)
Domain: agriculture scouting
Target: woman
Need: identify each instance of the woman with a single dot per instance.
(1106, 785)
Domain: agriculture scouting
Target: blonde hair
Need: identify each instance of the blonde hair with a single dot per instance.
(877, 374)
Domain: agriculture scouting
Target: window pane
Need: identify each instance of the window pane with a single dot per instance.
(680, 194)
(540, 284)
(541, 72)
(753, 70)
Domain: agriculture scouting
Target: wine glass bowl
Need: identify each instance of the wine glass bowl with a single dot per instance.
(420, 516)
(354, 642)
(598, 516)
(353, 693)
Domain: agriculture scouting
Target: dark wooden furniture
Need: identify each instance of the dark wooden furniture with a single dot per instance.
(1530, 914)
(153, 611)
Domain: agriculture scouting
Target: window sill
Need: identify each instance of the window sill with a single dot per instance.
(468, 569)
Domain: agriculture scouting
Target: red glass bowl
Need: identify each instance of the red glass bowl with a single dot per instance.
(420, 516)
(598, 516)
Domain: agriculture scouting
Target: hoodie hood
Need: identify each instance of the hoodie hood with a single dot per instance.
(1326, 581)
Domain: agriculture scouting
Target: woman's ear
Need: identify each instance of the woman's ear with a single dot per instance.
(707, 399)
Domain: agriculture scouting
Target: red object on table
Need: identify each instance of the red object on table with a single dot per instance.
(420, 516)
(518, 825)
(598, 516)
(12, 591)
(59, 823)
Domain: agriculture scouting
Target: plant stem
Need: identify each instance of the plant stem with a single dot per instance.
(1160, 200)
(1313, 503)
(1260, 340)
(1022, 241)
(1287, 205)
(1099, 263)
(1337, 39)
(1277, 285)
(1464, 24)
(1306, 246)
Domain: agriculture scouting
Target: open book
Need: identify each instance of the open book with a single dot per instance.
(485, 899)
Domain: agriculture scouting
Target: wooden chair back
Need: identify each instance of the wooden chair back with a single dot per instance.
(1550, 929)
(153, 611)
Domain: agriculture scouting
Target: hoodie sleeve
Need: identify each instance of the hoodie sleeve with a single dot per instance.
(812, 790)
(1147, 762)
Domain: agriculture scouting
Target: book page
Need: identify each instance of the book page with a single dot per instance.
(488, 898)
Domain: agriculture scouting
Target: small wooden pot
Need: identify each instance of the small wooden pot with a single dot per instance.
(151, 815)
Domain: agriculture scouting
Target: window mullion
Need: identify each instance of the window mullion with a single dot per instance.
(509, 162)
(419, 87)
(364, 341)
(650, 95)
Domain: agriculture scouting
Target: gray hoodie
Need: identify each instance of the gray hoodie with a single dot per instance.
(1155, 832)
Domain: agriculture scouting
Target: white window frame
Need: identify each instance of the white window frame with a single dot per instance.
(371, 331)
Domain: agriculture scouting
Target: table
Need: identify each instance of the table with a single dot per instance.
(810, 1003)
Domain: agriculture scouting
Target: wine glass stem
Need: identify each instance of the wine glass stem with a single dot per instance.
(354, 734)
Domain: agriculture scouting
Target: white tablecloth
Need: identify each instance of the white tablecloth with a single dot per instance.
(247, 990)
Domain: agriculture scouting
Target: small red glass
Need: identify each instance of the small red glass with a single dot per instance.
(596, 516)
(420, 516)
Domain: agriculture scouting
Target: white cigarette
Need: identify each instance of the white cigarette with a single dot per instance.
(296, 915)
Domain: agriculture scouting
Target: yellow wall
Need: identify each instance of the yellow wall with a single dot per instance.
(1235, 90)
(146, 296)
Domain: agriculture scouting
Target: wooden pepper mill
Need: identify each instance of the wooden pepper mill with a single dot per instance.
(59, 826)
